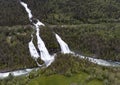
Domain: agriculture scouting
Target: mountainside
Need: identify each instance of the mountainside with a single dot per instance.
(71, 71)
(94, 40)
(62, 42)
(60, 11)
(14, 51)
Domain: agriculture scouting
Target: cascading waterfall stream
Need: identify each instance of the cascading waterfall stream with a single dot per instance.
(32, 49)
(16, 73)
(44, 54)
(28, 10)
(47, 58)
(65, 49)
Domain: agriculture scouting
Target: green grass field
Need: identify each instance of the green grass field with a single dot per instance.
(68, 70)
(77, 79)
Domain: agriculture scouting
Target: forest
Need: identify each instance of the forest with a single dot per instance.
(61, 11)
(90, 27)
(95, 34)
(78, 72)
(92, 40)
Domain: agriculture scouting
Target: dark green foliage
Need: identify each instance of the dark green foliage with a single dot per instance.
(14, 52)
(11, 13)
(60, 11)
(98, 40)
(69, 66)
(49, 39)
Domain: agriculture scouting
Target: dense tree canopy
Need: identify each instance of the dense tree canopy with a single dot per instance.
(60, 11)
(101, 41)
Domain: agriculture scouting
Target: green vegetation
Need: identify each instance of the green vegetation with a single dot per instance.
(14, 52)
(61, 11)
(58, 80)
(90, 27)
(68, 70)
(98, 40)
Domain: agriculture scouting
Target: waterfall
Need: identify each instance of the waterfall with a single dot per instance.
(33, 50)
(27, 10)
(44, 54)
(64, 47)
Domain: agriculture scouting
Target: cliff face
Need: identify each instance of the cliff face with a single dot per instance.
(60, 11)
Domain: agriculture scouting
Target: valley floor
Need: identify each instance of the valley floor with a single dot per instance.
(68, 70)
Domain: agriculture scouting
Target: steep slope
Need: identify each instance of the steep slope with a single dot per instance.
(78, 72)
(61, 11)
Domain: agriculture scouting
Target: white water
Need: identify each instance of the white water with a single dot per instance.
(99, 61)
(27, 10)
(32, 49)
(65, 49)
(44, 54)
(16, 73)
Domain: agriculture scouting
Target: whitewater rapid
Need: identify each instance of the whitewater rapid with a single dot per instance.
(16, 73)
(44, 54)
(65, 49)
(33, 50)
